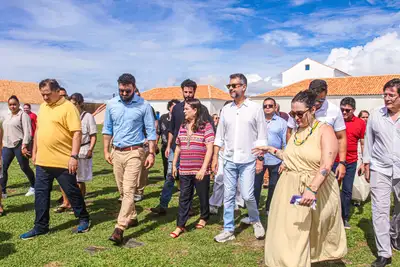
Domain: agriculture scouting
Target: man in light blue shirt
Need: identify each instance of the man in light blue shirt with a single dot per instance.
(276, 132)
(126, 116)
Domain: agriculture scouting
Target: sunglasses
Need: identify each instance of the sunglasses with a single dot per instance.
(299, 114)
(320, 100)
(268, 106)
(347, 110)
(233, 85)
(127, 91)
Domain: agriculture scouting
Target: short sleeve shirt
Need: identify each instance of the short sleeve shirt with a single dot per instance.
(89, 128)
(55, 127)
(193, 148)
(355, 131)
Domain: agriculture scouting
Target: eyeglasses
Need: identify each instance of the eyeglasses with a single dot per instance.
(392, 96)
(268, 106)
(127, 91)
(320, 100)
(299, 114)
(347, 110)
(233, 85)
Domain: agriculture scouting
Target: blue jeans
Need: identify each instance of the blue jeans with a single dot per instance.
(273, 171)
(244, 173)
(43, 187)
(8, 156)
(347, 188)
(166, 193)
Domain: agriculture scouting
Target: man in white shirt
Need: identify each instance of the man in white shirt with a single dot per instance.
(241, 128)
(331, 114)
(382, 168)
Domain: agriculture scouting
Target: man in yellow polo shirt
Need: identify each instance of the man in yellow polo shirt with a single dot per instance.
(55, 154)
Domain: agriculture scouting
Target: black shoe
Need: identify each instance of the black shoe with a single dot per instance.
(159, 210)
(381, 262)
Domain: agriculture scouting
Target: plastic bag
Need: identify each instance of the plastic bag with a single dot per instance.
(361, 188)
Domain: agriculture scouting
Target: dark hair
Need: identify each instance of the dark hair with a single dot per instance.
(52, 83)
(14, 97)
(126, 79)
(189, 83)
(270, 99)
(200, 120)
(63, 89)
(361, 112)
(393, 83)
(171, 102)
(78, 98)
(27, 104)
(307, 97)
(348, 101)
(137, 91)
(240, 76)
(318, 86)
(228, 102)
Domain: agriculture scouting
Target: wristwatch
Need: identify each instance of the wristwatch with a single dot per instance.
(344, 163)
(260, 158)
(75, 157)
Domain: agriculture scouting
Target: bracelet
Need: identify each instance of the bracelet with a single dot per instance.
(309, 189)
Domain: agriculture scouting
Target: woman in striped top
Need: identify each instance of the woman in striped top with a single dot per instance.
(194, 148)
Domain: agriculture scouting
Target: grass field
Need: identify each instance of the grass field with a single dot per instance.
(194, 248)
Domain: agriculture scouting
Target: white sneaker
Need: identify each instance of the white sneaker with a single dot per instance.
(3, 196)
(213, 210)
(245, 220)
(30, 192)
(224, 236)
(138, 198)
(259, 231)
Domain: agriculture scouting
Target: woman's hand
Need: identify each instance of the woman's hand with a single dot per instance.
(200, 174)
(260, 150)
(307, 198)
(174, 171)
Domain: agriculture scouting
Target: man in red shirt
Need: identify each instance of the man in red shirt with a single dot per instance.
(355, 130)
(27, 109)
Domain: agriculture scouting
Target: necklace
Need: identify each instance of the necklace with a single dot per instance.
(298, 142)
(188, 135)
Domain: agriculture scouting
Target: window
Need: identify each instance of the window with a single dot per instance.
(307, 66)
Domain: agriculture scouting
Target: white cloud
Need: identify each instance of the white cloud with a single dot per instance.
(380, 56)
(300, 2)
(286, 38)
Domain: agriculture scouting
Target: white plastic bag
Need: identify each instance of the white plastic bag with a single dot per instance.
(361, 188)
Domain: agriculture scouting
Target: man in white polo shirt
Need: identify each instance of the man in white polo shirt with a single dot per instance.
(331, 114)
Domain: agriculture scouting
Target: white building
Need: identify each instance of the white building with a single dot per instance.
(309, 69)
(26, 92)
(366, 90)
(210, 96)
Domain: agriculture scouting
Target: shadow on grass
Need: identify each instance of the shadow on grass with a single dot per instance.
(367, 227)
(329, 264)
(6, 249)
(102, 172)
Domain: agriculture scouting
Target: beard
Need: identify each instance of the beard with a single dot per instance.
(235, 94)
(126, 98)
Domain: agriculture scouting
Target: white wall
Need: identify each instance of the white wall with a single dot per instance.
(4, 109)
(362, 102)
(317, 70)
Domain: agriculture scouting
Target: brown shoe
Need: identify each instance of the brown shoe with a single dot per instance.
(117, 237)
(159, 210)
(133, 223)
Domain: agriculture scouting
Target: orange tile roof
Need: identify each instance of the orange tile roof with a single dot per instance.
(363, 85)
(175, 92)
(27, 92)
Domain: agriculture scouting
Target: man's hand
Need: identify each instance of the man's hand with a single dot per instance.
(167, 150)
(367, 172)
(89, 154)
(108, 157)
(361, 170)
(340, 172)
(259, 166)
(25, 151)
(149, 161)
(214, 165)
(72, 165)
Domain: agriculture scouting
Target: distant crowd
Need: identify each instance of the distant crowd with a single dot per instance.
(313, 154)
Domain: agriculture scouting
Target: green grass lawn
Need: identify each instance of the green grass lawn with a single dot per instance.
(194, 248)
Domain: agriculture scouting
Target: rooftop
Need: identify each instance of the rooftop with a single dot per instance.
(341, 86)
(175, 92)
(27, 92)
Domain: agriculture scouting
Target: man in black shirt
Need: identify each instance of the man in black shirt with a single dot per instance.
(163, 130)
(177, 117)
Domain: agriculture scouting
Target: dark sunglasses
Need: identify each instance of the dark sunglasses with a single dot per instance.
(347, 110)
(268, 106)
(299, 114)
(233, 85)
(320, 100)
(127, 91)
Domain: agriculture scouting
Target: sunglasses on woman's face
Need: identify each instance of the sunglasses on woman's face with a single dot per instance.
(268, 106)
(299, 114)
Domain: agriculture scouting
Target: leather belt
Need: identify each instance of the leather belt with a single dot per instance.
(128, 148)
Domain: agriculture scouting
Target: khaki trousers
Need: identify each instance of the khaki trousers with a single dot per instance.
(127, 167)
(144, 176)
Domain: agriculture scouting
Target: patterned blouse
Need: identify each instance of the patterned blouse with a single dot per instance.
(193, 149)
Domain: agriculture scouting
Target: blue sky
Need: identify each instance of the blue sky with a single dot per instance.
(88, 44)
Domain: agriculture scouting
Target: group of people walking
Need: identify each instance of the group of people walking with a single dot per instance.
(309, 155)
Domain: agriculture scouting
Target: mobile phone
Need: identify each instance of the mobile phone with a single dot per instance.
(295, 200)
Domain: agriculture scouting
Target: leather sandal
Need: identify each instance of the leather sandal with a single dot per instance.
(175, 235)
(201, 226)
(61, 209)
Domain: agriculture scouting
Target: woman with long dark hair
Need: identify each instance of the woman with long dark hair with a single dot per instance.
(16, 138)
(194, 148)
